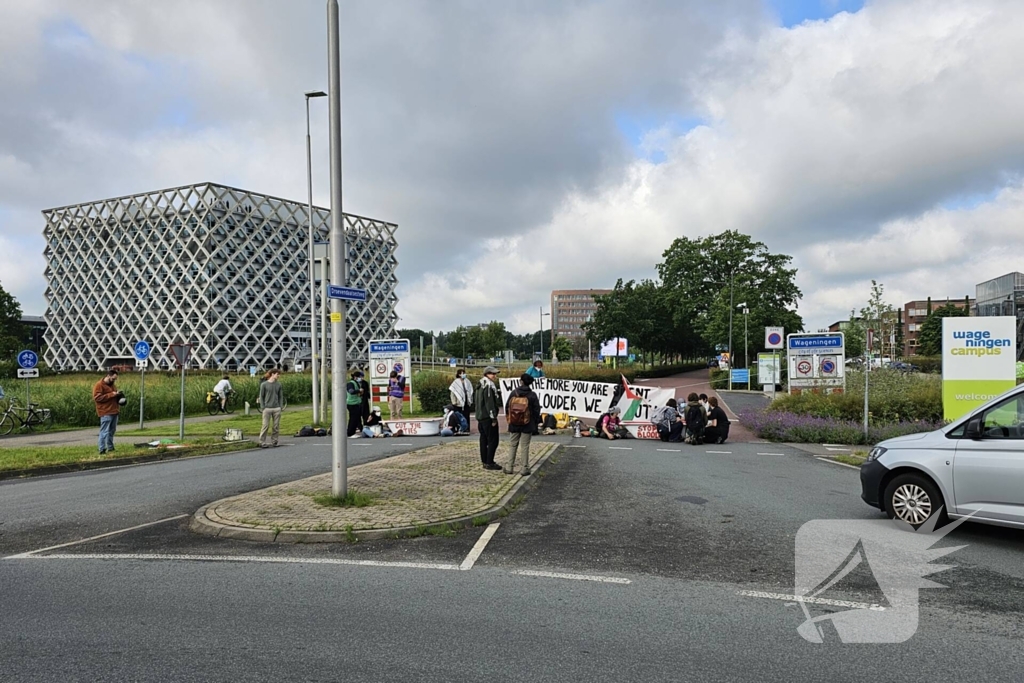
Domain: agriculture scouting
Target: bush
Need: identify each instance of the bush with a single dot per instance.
(431, 389)
(931, 365)
(777, 425)
(893, 397)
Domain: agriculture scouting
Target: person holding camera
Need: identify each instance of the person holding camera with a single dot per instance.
(108, 406)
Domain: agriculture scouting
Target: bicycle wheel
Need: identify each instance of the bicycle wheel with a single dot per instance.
(6, 424)
(229, 405)
(213, 405)
(46, 421)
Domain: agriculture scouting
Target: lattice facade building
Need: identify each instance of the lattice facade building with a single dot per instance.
(221, 268)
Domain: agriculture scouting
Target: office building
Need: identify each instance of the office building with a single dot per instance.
(1004, 295)
(570, 308)
(916, 312)
(218, 267)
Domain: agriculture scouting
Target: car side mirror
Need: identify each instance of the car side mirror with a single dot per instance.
(973, 428)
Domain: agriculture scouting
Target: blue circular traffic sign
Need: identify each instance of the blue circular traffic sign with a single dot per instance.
(828, 367)
(142, 350)
(774, 338)
(27, 359)
(398, 368)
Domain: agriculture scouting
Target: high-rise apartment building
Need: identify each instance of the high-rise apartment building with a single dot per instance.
(570, 308)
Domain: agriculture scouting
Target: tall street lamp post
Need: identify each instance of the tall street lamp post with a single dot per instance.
(542, 314)
(312, 286)
(732, 360)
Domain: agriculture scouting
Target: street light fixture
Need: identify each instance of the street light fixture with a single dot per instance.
(542, 314)
(312, 287)
(746, 340)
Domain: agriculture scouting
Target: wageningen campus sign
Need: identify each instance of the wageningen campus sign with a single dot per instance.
(978, 361)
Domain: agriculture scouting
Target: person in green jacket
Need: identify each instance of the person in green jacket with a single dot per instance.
(271, 401)
(487, 403)
(354, 403)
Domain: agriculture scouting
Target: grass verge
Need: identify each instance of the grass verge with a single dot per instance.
(28, 458)
(856, 458)
(353, 499)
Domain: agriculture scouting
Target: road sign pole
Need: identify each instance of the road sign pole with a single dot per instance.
(28, 396)
(339, 366)
(142, 398)
(181, 421)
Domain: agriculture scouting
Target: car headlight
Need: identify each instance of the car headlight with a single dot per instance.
(875, 453)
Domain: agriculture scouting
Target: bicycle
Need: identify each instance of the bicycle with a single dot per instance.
(25, 418)
(213, 403)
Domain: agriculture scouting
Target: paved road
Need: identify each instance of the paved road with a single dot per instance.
(686, 527)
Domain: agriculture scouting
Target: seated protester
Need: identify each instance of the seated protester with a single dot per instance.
(704, 404)
(695, 420)
(609, 425)
(669, 422)
(454, 422)
(717, 430)
(374, 427)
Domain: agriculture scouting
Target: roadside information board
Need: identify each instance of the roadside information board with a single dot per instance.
(816, 362)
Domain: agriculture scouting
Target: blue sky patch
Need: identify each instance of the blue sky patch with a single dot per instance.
(794, 12)
(634, 127)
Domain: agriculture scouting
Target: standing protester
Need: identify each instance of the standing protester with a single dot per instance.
(366, 396)
(669, 422)
(396, 394)
(536, 371)
(522, 410)
(108, 406)
(354, 403)
(717, 430)
(271, 400)
(487, 403)
(461, 391)
(695, 420)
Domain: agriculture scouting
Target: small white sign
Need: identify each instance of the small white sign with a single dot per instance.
(26, 373)
(774, 337)
(142, 364)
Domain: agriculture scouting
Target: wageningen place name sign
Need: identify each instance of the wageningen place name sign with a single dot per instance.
(816, 342)
(395, 347)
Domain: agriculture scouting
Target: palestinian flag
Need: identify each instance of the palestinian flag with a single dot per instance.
(630, 401)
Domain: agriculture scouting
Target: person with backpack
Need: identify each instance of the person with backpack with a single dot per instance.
(695, 420)
(609, 427)
(668, 422)
(522, 410)
(354, 403)
(461, 392)
(453, 423)
(717, 430)
(487, 405)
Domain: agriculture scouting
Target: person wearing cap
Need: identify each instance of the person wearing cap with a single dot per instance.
(354, 403)
(520, 433)
(608, 424)
(487, 403)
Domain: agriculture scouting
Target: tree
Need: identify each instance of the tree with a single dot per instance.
(698, 273)
(11, 332)
(853, 335)
(493, 338)
(561, 349)
(929, 339)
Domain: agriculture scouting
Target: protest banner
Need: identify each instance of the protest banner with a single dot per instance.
(592, 399)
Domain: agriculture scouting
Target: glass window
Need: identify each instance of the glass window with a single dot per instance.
(1003, 421)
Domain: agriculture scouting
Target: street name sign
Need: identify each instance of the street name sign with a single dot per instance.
(346, 293)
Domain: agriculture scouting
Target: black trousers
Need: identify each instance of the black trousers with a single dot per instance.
(488, 441)
(673, 434)
(713, 434)
(355, 419)
(467, 412)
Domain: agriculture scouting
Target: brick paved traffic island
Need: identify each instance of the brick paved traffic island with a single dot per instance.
(412, 492)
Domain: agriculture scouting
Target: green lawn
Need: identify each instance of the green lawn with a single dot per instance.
(28, 457)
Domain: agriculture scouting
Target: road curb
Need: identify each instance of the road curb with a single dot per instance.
(68, 468)
(203, 524)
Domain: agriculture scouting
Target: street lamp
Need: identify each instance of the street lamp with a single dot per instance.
(312, 287)
(542, 314)
(746, 341)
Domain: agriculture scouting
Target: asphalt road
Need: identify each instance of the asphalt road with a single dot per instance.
(681, 529)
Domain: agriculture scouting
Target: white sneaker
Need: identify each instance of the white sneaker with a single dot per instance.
(356, 436)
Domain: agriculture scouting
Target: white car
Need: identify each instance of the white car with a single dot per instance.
(973, 466)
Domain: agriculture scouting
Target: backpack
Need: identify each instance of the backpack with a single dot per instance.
(519, 411)
(549, 421)
(599, 427)
(321, 432)
(695, 419)
(660, 416)
(306, 431)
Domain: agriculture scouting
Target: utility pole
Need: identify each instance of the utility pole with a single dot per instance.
(314, 361)
(339, 366)
(732, 360)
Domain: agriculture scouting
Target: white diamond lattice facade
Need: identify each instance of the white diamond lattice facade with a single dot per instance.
(221, 268)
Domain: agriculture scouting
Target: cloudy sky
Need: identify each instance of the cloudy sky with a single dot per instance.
(530, 146)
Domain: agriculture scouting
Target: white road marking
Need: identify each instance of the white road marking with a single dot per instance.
(720, 452)
(771, 453)
(816, 601)
(619, 448)
(575, 446)
(572, 577)
(841, 464)
(236, 558)
(478, 548)
(670, 450)
(828, 448)
(93, 538)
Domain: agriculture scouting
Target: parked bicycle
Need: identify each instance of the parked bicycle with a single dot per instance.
(213, 403)
(31, 418)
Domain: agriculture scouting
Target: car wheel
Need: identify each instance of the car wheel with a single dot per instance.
(912, 498)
